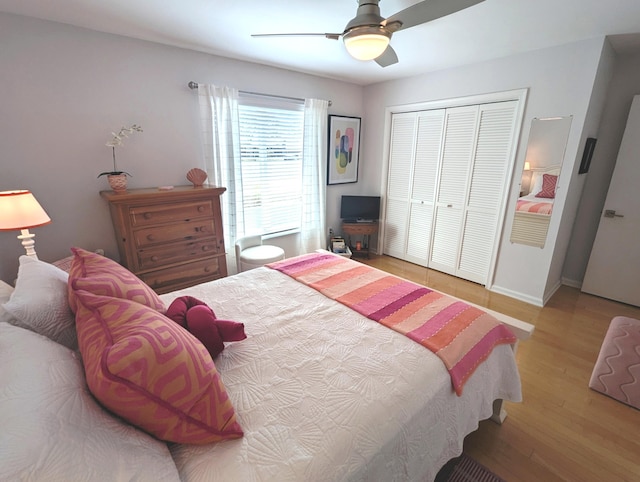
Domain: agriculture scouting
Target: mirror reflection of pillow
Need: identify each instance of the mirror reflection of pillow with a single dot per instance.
(536, 177)
(548, 186)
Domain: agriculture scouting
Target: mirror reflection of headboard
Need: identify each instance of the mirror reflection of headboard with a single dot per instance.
(539, 182)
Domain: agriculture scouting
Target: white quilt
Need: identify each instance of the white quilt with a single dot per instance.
(323, 393)
(51, 428)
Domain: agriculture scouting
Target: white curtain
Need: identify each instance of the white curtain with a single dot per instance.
(221, 138)
(313, 233)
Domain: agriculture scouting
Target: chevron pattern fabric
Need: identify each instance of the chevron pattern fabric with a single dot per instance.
(103, 276)
(617, 369)
(153, 373)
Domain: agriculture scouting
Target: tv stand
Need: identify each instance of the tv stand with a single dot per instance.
(359, 228)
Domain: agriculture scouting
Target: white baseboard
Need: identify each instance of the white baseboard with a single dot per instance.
(572, 282)
(532, 300)
(552, 291)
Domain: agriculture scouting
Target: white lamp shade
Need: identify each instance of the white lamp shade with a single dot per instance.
(20, 210)
(366, 43)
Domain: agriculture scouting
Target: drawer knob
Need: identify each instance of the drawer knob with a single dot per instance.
(147, 215)
(150, 237)
(200, 209)
(207, 269)
(206, 248)
(154, 258)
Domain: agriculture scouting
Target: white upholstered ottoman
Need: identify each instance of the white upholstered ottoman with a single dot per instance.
(617, 369)
(257, 256)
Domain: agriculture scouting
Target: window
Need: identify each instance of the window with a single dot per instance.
(271, 133)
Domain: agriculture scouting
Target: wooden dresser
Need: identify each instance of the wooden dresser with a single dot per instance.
(170, 239)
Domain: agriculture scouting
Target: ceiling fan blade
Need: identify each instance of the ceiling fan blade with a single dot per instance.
(388, 57)
(428, 10)
(332, 36)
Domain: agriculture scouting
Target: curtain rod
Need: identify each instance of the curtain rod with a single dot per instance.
(194, 85)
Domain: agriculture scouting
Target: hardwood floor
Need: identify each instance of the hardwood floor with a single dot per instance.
(562, 431)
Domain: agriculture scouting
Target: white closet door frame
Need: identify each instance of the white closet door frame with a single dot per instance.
(519, 95)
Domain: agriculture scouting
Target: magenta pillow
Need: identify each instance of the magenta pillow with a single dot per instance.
(156, 375)
(548, 186)
(102, 276)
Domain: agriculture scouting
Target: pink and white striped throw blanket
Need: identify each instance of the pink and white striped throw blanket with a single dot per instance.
(460, 334)
(528, 206)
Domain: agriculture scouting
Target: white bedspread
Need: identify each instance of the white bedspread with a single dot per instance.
(323, 393)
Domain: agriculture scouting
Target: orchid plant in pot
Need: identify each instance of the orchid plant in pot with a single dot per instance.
(117, 178)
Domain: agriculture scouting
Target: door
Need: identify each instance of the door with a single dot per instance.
(416, 140)
(487, 185)
(401, 156)
(460, 136)
(423, 187)
(613, 271)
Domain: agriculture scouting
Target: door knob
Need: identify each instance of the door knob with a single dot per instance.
(611, 213)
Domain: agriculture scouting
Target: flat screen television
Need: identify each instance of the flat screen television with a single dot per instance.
(360, 208)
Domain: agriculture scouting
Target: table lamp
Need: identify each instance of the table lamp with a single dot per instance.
(20, 210)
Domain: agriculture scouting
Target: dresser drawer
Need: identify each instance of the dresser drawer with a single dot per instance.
(170, 213)
(156, 257)
(187, 231)
(170, 279)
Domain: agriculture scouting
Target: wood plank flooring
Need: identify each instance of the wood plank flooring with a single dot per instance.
(563, 431)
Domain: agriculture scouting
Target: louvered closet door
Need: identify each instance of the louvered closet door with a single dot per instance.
(457, 152)
(423, 187)
(496, 128)
(401, 155)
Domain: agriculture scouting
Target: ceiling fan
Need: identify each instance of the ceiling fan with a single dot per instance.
(367, 35)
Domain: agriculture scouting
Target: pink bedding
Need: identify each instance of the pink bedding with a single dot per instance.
(460, 334)
(534, 206)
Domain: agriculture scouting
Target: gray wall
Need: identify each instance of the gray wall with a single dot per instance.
(65, 89)
(560, 82)
(625, 83)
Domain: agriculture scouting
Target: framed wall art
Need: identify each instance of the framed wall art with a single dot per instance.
(343, 149)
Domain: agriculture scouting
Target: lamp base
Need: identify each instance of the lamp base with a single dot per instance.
(27, 241)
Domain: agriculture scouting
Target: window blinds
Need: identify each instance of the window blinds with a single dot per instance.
(271, 140)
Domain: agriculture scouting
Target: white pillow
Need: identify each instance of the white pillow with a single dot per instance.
(537, 175)
(53, 429)
(5, 294)
(40, 302)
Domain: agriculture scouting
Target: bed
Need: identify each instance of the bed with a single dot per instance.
(533, 210)
(320, 391)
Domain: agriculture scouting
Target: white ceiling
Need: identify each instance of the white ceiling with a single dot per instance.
(492, 29)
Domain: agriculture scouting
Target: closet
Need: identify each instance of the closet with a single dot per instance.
(446, 185)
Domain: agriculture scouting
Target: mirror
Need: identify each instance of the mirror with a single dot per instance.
(543, 161)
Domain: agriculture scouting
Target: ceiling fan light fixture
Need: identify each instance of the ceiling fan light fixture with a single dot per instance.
(366, 43)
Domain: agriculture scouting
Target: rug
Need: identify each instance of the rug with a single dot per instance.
(465, 469)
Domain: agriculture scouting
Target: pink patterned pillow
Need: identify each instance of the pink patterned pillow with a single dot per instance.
(153, 373)
(548, 186)
(103, 276)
